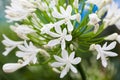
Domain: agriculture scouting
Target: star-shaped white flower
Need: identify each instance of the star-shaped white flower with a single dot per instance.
(22, 30)
(10, 45)
(66, 16)
(28, 53)
(60, 37)
(19, 10)
(94, 21)
(104, 52)
(67, 62)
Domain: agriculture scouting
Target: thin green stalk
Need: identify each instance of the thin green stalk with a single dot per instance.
(80, 69)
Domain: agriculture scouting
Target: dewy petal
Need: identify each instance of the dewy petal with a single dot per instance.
(73, 69)
(64, 54)
(53, 42)
(63, 44)
(57, 64)
(110, 46)
(68, 37)
(69, 26)
(72, 55)
(11, 67)
(58, 59)
(76, 60)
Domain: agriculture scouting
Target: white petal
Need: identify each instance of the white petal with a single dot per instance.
(57, 64)
(118, 39)
(76, 60)
(64, 72)
(58, 59)
(98, 56)
(72, 55)
(58, 29)
(63, 44)
(110, 46)
(8, 50)
(62, 10)
(20, 54)
(73, 69)
(59, 23)
(64, 54)
(53, 42)
(56, 14)
(68, 37)
(55, 35)
(104, 62)
(11, 67)
(69, 9)
(69, 26)
(111, 54)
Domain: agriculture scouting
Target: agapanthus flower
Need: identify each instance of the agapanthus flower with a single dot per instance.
(94, 21)
(66, 16)
(67, 62)
(10, 45)
(60, 37)
(104, 52)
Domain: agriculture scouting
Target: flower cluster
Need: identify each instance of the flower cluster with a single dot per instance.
(60, 27)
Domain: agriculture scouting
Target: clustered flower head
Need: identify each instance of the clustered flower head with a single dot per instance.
(60, 27)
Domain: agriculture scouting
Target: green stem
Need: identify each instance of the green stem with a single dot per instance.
(80, 69)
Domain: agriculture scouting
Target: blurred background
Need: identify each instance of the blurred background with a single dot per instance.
(93, 70)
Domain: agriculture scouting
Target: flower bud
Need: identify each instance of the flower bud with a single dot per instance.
(75, 4)
(92, 47)
(118, 39)
(112, 37)
(11, 67)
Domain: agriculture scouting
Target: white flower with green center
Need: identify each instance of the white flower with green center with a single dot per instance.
(66, 16)
(22, 31)
(10, 45)
(67, 61)
(94, 21)
(28, 53)
(60, 37)
(104, 52)
(19, 10)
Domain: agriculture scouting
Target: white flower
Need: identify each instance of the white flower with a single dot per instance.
(94, 21)
(61, 37)
(19, 10)
(104, 52)
(22, 31)
(11, 67)
(112, 15)
(28, 53)
(66, 16)
(10, 45)
(113, 36)
(67, 61)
